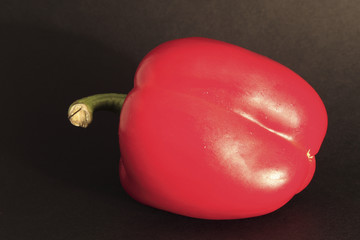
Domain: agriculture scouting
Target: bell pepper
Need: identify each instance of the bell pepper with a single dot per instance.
(214, 131)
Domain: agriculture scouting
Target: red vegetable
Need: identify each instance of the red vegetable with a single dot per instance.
(214, 131)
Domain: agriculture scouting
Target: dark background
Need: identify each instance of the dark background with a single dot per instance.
(61, 182)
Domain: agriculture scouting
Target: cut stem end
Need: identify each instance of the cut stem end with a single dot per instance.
(79, 115)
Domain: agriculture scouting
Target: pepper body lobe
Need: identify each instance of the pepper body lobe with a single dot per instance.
(215, 131)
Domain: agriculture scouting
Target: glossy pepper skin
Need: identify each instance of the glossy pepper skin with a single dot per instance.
(215, 131)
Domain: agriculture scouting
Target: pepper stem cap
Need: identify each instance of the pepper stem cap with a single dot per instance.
(79, 115)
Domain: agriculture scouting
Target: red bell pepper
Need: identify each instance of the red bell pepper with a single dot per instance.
(214, 131)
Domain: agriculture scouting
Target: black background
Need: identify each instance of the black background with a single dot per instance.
(61, 182)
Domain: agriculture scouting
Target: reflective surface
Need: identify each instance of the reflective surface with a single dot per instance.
(224, 133)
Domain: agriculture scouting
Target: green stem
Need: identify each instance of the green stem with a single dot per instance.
(81, 111)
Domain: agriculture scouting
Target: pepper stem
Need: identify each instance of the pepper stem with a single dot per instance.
(81, 111)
